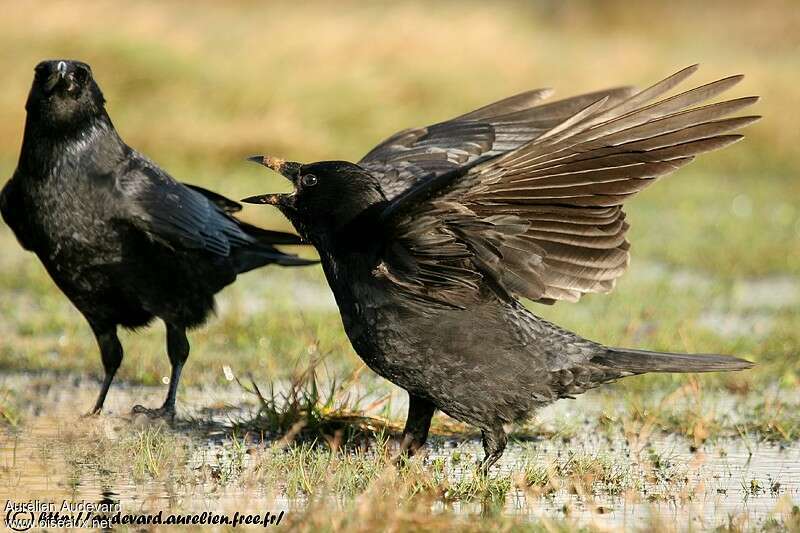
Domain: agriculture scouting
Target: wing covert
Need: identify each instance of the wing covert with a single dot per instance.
(410, 155)
(175, 214)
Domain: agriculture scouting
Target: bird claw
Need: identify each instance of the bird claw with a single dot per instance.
(407, 450)
(401, 459)
(161, 412)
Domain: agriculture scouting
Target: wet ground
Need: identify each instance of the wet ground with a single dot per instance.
(624, 478)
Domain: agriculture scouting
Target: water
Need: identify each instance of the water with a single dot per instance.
(705, 487)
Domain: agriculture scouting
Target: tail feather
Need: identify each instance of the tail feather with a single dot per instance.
(263, 252)
(256, 256)
(642, 361)
(259, 250)
(268, 236)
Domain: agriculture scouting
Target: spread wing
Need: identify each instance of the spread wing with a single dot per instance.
(545, 221)
(187, 217)
(407, 156)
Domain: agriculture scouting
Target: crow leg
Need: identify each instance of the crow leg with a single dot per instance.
(178, 351)
(494, 442)
(418, 422)
(111, 354)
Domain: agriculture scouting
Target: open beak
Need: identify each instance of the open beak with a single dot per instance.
(287, 169)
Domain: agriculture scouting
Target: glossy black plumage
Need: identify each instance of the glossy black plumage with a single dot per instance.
(428, 242)
(121, 238)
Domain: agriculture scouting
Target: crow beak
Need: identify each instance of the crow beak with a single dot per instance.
(56, 78)
(271, 199)
(287, 169)
(268, 161)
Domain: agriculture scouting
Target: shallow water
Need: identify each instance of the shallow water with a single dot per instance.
(705, 488)
(730, 479)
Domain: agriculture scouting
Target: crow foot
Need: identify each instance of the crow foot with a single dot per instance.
(161, 412)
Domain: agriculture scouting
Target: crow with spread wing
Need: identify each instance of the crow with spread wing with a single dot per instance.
(121, 238)
(429, 241)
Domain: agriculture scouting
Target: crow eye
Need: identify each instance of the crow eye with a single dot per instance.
(81, 75)
(309, 180)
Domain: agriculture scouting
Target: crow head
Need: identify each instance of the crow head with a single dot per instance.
(327, 195)
(64, 94)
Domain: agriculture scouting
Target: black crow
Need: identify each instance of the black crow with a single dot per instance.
(430, 239)
(121, 238)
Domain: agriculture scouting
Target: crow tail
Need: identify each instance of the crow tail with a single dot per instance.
(263, 252)
(628, 360)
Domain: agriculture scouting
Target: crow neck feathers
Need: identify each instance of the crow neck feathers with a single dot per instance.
(46, 147)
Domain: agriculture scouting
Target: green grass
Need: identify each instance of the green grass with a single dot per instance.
(329, 412)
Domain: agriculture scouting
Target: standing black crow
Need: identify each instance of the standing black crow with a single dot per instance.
(428, 241)
(122, 239)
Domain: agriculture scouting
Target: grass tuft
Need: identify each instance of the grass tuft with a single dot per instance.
(305, 411)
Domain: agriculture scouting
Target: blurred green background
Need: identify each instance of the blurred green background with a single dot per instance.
(197, 86)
